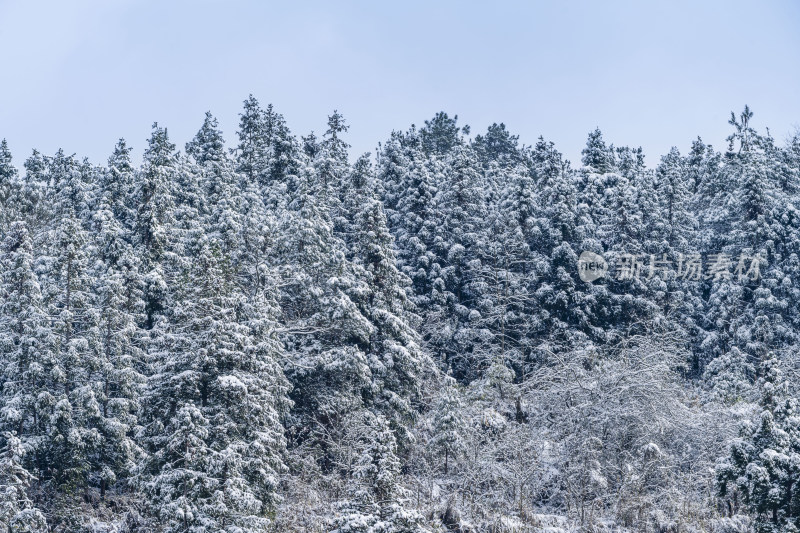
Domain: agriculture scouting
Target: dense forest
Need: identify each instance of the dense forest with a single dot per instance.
(276, 335)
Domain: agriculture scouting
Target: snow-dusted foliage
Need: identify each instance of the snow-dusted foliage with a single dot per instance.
(283, 336)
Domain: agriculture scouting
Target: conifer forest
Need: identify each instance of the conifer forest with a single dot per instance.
(461, 332)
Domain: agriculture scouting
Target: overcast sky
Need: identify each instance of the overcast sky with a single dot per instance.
(81, 74)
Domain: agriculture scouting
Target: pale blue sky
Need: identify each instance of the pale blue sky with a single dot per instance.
(81, 74)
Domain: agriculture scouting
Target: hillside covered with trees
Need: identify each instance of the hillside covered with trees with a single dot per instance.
(273, 334)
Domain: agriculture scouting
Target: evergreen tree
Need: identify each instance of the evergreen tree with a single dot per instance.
(441, 134)
(28, 347)
(501, 278)
(212, 409)
(674, 195)
(251, 151)
(448, 424)
(597, 156)
(376, 501)
(17, 512)
(69, 300)
(31, 192)
(117, 373)
(459, 209)
(327, 337)
(397, 361)
(730, 377)
(763, 463)
(408, 191)
(8, 177)
(219, 188)
(331, 166)
(117, 185)
(282, 149)
(155, 197)
(498, 145)
(554, 207)
(207, 145)
(155, 204)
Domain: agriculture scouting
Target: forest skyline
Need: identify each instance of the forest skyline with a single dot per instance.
(276, 339)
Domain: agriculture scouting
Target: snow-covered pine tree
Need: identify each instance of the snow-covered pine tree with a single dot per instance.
(558, 225)
(116, 376)
(596, 155)
(673, 193)
(155, 203)
(397, 362)
(212, 408)
(117, 185)
(408, 190)
(30, 193)
(762, 468)
(69, 302)
(459, 210)
(207, 145)
(17, 512)
(501, 275)
(750, 219)
(267, 156)
(28, 346)
(498, 146)
(331, 170)
(441, 134)
(377, 500)
(8, 184)
(282, 149)
(730, 377)
(554, 205)
(448, 423)
(70, 188)
(219, 188)
(251, 153)
(325, 334)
